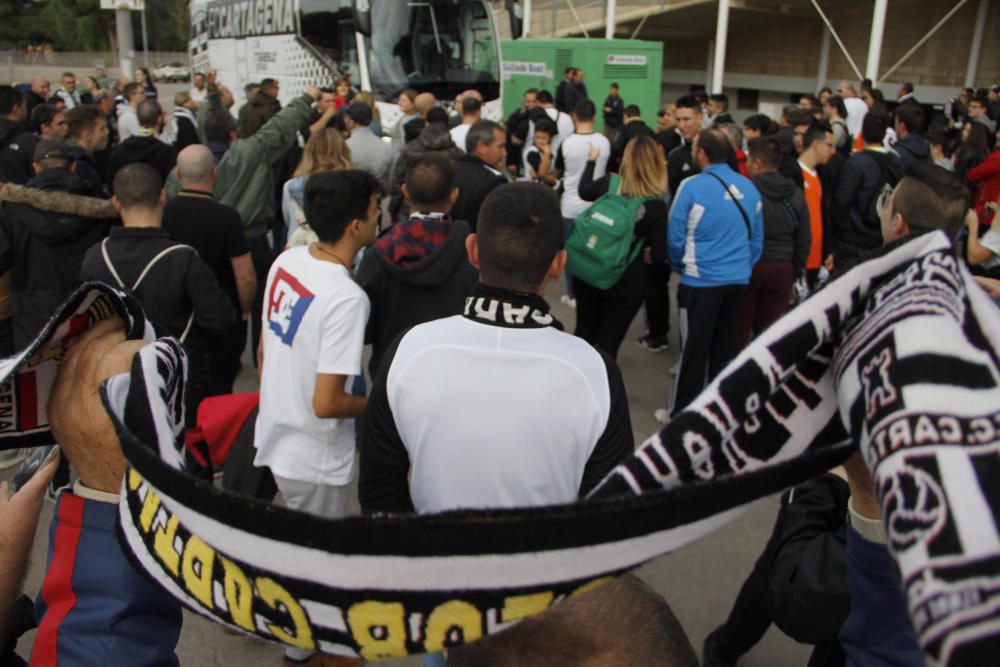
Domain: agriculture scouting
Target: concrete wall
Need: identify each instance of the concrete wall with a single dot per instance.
(783, 56)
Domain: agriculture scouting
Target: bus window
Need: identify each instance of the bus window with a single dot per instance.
(328, 27)
(441, 46)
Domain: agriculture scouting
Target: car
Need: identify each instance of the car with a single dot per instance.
(172, 72)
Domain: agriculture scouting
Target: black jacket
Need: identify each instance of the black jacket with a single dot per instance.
(433, 138)
(17, 148)
(402, 297)
(150, 150)
(613, 119)
(722, 119)
(861, 180)
(912, 150)
(680, 165)
(46, 228)
(187, 132)
(629, 131)
(787, 233)
(474, 179)
(91, 175)
(176, 287)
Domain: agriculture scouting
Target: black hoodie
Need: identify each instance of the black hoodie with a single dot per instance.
(17, 148)
(912, 150)
(150, 150)
(45, 229)
(403, 297)
(787, 233)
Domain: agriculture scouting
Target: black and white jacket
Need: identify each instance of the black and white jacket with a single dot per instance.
(494, 408)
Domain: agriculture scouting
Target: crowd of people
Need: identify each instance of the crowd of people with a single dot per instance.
(265, 221)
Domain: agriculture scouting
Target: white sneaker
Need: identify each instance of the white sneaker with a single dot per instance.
(568, 301)
(662, 416)
(12, 458)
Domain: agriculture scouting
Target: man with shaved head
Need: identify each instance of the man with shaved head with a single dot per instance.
(39, 93)
(215, 230)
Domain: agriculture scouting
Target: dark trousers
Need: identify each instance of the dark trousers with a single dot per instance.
(260, 253)
(603, 316)
(657, 299)
(224, 352)
(767, 298)
(710, 318)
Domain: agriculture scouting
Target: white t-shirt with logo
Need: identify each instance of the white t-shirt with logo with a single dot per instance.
(313, 322)
(575, 150)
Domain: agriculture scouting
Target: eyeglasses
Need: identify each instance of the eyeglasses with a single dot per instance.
(882, 203)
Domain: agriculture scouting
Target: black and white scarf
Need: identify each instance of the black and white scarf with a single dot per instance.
(898, 356)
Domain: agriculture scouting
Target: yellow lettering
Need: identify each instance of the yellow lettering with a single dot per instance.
(521, 606)
(451, 623)
(150, 506)
(134, 480)
(196, 570)
(591, 585)
(239, 594)
(163, 545)
(277, 598)
(379, 628)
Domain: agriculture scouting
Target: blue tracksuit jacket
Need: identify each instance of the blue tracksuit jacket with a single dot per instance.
(707, 238)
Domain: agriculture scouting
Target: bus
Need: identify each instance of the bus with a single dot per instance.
(385, 46)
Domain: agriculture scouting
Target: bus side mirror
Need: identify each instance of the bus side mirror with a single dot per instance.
(363, 17)
(515, 12)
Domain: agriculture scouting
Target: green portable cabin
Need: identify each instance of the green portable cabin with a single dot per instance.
(635, 65)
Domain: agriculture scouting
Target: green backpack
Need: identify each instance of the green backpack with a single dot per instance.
(601, 245)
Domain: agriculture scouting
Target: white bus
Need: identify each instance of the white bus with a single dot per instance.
(386, 46)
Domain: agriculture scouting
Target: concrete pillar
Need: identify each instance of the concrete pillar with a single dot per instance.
(126, 42)
(875, 44)
(609, 19)
(711, 65)
(721, 32)
(977, 43)
(824, 59)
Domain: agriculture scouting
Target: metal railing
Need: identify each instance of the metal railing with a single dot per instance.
(85, 60)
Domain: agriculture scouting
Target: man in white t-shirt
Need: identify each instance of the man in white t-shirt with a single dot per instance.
(856, 107)
(471, 113)
(571, 160)
(311, 345)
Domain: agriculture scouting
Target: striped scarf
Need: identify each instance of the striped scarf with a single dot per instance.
(898, 357)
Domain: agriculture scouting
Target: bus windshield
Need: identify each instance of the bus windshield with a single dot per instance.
(328, 27)
(439, 46)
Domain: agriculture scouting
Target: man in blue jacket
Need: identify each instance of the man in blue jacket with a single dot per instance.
(715, 236)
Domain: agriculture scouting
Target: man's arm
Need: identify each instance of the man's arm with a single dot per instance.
(677, 226)
(272, 141)
(246, 281)
(321, 122)
(341, 344)
(616, 442)
(212, 308)
(757, 233)
(803, 236)
(331, 400)
(18, 522)
(385, 463)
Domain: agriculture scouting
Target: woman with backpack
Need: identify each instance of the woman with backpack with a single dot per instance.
(326, 150)
(608, 297)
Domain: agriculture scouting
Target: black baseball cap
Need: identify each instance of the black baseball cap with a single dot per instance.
(53, 149)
